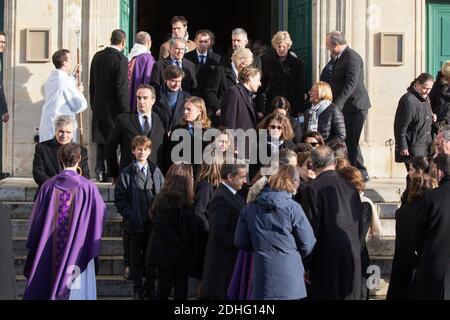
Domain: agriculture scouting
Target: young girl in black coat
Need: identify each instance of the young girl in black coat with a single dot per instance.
(171, 243)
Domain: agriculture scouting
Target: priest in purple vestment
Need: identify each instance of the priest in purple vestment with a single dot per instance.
(65, 234)
(140, 65)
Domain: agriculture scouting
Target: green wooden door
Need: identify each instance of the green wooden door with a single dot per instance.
(126, 22)
(438, 35)
(300, 28)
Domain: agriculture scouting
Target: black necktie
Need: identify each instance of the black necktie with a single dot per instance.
(146, 126)
(202, 59)
(178, 64)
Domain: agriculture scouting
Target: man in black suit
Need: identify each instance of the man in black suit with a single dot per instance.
(223, 212)
(129, 125)
(176, 58)
(203, 59)
(46, 163)
(350, 94)
(170, 101)
(3, 105)
(108, 90)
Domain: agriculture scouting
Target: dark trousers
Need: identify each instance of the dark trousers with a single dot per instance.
(354, 123)
(101, 159)
(126, 244)
(172, 277)
(138, 243)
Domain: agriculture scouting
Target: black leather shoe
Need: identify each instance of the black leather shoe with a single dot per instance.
(126, 273)
(4, 175)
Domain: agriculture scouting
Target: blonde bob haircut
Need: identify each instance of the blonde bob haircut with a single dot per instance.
(199, 103)
(242, 56)
(281, 37)
(324, 90)
(284, 179)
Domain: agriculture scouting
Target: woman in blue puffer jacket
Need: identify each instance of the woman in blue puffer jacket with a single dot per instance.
(277, 231)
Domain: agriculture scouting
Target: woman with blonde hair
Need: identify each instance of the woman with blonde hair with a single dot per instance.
(440, 98)
(323, 116)
(370, 223)
(277, 231)
(283, 75)
(195, 122)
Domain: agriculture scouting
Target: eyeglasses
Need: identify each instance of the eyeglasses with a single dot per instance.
(313, 144)
(275, 127)
(308, 166)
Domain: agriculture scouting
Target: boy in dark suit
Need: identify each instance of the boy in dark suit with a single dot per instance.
(136, 187)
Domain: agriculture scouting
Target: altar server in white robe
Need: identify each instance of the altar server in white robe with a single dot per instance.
(63, 96)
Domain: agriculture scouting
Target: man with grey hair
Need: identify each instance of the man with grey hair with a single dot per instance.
(350, 94)
(333, 208)
(239, 39)
(177, 47)
(140, 65)
(46, 163)
(443, 140)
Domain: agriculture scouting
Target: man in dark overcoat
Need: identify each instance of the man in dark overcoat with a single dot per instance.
(333, 208)
(350, 94)
(432, 239)
(108, 89)
(223, 212)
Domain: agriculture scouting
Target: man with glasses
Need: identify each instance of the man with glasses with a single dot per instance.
(3, 105)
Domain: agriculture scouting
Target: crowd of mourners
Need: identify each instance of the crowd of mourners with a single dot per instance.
(280, 214)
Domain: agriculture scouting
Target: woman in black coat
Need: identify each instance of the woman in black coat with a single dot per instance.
(222, 78)
(323, 116)
(208, 179)
(283, 75)
(405, 259)
(440, 97)
(194, 124)
(413, 119)
(432, 239)
(173, 238)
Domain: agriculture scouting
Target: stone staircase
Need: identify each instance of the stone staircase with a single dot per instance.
(18, 195)
(385, 193)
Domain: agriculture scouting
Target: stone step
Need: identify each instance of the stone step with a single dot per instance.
(109, 247)
(388, 227)
(24, 189)
(110, 286)
(386, 210)
(21, 228)
(22, 210)
(383, 262)
(108, 265)
(385, 190)
(384, 248)
(381, 291)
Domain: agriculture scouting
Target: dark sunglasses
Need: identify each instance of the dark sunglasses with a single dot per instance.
(308, 166)
(275, 127)
(313, 144)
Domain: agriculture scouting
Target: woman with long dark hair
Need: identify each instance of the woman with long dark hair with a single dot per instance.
(173, 238)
